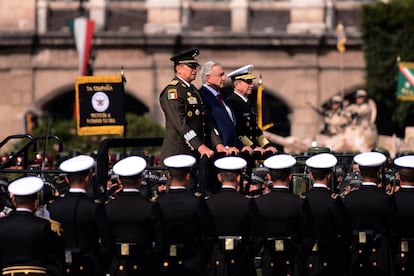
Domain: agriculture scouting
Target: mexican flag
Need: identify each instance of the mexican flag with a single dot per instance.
(405, 88)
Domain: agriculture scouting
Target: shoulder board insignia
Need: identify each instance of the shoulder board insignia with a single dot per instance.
(172, 94)
(174, 82)
(55, 226)
(334, 196)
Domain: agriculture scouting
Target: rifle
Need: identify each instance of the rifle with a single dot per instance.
(317, 110)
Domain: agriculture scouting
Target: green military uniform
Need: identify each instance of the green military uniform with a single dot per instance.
(187, 126)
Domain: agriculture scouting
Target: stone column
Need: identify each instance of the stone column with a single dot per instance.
(164, 16)
(307, 16)
(42, 15)
(97, 12)
(239, 15)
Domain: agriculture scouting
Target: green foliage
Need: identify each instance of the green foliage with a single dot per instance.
(387, 30)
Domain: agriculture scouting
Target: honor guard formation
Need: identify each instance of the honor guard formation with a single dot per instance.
(222, 201)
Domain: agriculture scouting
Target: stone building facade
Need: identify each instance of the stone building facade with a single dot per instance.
(292, 44)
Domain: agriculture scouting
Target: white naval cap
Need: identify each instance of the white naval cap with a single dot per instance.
(26, 186)
(179, 161)
(230, 163)
(405, 161)
(130, 166)
(280, 162)
(322, 161)
(242, 73)
(78, 163)
(370, 159)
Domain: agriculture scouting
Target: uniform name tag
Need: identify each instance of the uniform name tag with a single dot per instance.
(404, 246)
(173, 250)
(68, 257)
(362, 237)
(229, 244)
(124, 249)
(279, 245)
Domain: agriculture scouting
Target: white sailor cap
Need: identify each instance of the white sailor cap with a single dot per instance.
(230, 163)
(280, 162)
(405, 161)
(370, 159)
(322, 161)
(179, 161)
(242, 73)
(78, 163)
(26, 186)
(130, 166)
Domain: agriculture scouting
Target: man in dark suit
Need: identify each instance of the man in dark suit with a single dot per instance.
(404, 230)
(187, 129)
(246, 119)
(286, 220)
(371, 211)
(135, 221)
(234, 223)
(218, 111)
(87, 234)
(184, 217)
(29, 246)
(332, 226)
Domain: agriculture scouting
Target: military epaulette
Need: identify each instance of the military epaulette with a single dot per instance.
(334, 195)
(174, 82)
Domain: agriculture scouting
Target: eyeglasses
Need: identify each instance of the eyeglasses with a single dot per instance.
(193, 66)
(248, 81)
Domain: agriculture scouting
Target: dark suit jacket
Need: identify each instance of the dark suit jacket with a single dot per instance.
(186, 123)
(220, 119)
(28, 240)
(405, 213)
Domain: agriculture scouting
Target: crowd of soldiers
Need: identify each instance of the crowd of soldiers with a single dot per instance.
(156, 221)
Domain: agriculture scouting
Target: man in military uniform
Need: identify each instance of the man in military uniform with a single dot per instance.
(372, 212)
(361, 110)
(246, 120)
(187, 129)
(332, 226)
(234, 223)
(336, 119)
(135, 221)
(404, 234)
(286, 219)
(87, 233)
(30, 245)
(184, 216)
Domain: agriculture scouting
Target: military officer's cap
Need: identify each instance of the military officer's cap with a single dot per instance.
(280, 162)
(163, 179)
(179, 161)
(230, 163)
(370, 159)
(130, 166)
(405, 161)
(322, 161)
(77, 164)
(256, 178)
(242, 73)
(26, 186)
(188, 57)
(361, 93)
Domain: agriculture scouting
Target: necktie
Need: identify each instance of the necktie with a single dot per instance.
(220, 99)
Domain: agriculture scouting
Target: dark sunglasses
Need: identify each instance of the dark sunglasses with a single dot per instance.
(248, 81)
